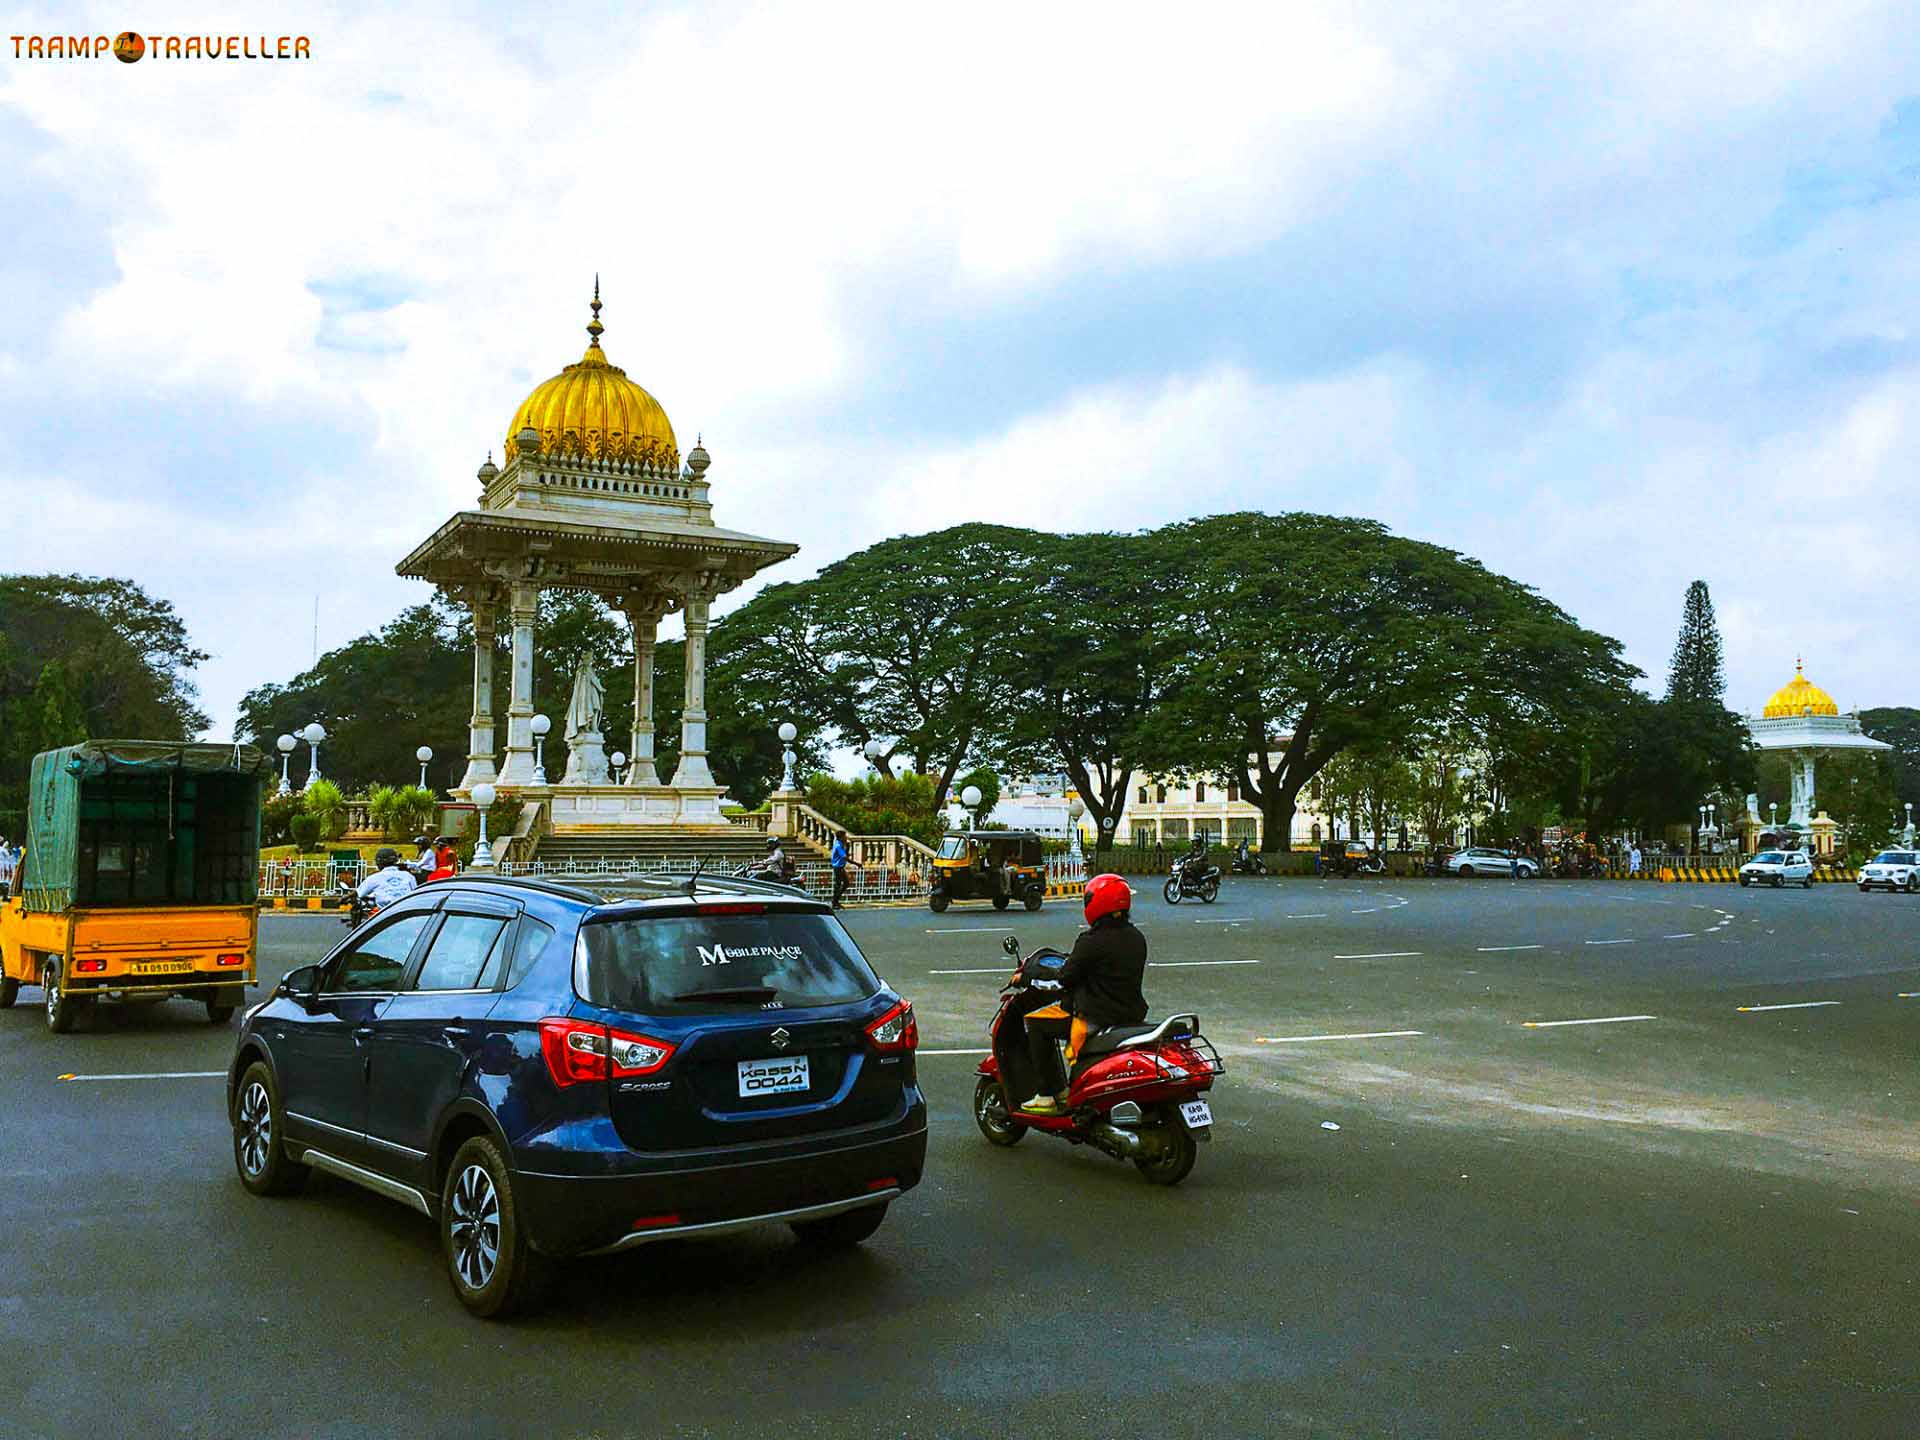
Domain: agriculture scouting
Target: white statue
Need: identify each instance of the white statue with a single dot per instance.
(588, 703)
(586, 760)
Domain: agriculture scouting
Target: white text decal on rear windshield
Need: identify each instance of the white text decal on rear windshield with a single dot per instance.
(721, 955)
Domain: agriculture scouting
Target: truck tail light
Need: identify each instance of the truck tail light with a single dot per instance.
(577, 1051)
(232, 960)
(895, 1032)
(89, 967)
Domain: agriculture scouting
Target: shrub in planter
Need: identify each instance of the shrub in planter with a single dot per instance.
(305, 828)
(323, 800)
(275, 816)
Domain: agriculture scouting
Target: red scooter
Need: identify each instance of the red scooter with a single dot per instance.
(1135, 1091)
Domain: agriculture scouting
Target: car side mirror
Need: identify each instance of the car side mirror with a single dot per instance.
(301, 984)
(1010, 945)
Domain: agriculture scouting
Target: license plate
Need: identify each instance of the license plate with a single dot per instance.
(161, 967)
(1196, 1114)
(773, 1077)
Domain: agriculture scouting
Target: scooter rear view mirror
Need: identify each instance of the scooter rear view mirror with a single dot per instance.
(1010, 945)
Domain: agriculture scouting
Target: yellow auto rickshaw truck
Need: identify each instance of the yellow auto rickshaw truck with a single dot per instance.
(140, 878)
(998, 865)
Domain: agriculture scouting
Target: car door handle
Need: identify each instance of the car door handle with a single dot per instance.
(363, 1032)
(454, 1034)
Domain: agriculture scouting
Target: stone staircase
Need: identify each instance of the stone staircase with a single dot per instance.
(722, 849)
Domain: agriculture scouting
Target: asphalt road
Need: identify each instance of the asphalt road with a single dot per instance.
(1702, 1222)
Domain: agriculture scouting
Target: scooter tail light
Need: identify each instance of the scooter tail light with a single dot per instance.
(577, 1051)
(896, 1031)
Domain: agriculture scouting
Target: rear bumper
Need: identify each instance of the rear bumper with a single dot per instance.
(198, 984)
(573, 1214)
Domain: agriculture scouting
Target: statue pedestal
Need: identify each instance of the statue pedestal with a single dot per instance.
(587, 760)
(601, 806)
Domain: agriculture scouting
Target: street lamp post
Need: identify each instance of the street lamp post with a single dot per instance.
(1773, 814)
(1909, 834)
(313, 735)
(788, 733)
(971, 797)
(874, 749)
(424, 755)
(618, 760)
(540, 725)
(483, 797)
(1074, 812)
(285, 746)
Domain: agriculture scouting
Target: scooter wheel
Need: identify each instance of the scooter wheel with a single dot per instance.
(990, 1114)
(1171, 1159)
(1171, 890)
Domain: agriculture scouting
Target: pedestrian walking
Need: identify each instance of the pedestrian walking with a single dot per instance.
(9, 862)
(839, 858)
(1633, 861)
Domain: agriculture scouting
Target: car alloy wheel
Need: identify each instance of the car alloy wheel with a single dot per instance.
(256, 1129)
(474, 1226)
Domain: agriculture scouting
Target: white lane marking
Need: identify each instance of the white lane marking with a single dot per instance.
(1381, 955)
(1225, 920)
(153, 1075)
(1797, 1005)
(1373, 910)
(1491, 949)
(1602, 1020)
(974, 930)
(1317, 915)
(1184, 964)
(1606, 942)
(1358, 1035)
(990, 970)
(953, 1052)
(1687, 936)
(1908, 995)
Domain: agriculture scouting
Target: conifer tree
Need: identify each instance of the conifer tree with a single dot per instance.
(1697, 675)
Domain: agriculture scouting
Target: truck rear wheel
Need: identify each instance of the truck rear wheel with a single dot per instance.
(9, 992)
(62, 1008)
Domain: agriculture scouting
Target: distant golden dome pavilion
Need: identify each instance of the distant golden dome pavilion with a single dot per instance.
(1799, 696)
(591, 409)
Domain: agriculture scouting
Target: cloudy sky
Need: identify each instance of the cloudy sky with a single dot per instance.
(1609, 297)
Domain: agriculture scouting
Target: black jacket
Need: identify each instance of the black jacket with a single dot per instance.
(1102, 976)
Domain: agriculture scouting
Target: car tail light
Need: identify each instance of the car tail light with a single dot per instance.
(885, 1182)
(655, 1222)
(89, 967)
(733, 909)
(576, 1051)
(232, 960)
(895, 1031)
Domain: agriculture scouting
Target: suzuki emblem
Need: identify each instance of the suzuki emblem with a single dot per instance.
(780, 1038)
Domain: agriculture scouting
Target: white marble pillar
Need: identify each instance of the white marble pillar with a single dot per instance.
(646, 630)
(1800, 771)
(480, 769)
(525, 609)
(693, 772)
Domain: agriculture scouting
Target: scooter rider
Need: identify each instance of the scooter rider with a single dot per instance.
(390, 880)
(1101, 983)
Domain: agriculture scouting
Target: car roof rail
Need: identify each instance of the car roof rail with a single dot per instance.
(527, 882)
(690, 884)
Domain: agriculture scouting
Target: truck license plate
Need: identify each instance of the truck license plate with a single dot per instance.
(161, 967)
(773, 1077)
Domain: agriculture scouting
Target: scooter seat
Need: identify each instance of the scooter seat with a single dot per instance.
(1110, 1039)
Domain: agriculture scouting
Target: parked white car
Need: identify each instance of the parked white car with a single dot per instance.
(1892, 870)
(1777, 868)
(1485, 860)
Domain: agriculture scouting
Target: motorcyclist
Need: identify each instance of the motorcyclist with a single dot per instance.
(1193, 864)
(774, 866)
(422, 864)
(446, 861)
(1100, 984)
(390, 880)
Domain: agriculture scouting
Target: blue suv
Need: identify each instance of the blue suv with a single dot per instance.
(548, 1071)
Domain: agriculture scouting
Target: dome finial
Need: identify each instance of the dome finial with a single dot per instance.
(594, 327)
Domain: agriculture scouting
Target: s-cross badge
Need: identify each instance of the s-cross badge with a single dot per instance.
(780, 1038)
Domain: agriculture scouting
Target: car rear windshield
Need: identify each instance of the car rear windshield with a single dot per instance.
(721, 964)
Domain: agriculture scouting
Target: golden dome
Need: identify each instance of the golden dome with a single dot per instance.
(592, 409)
(1799, 696)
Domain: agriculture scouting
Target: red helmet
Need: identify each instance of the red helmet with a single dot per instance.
(1107, 895)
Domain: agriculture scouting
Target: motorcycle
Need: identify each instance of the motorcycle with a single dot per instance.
(1135, 1092)
(1185, 881)
(787, 875)
(359, 909)
(1248, 864)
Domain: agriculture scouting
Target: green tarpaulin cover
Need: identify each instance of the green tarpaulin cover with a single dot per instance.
(67, 788)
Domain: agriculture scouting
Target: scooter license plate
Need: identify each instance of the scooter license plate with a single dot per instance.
(1196, 1114)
